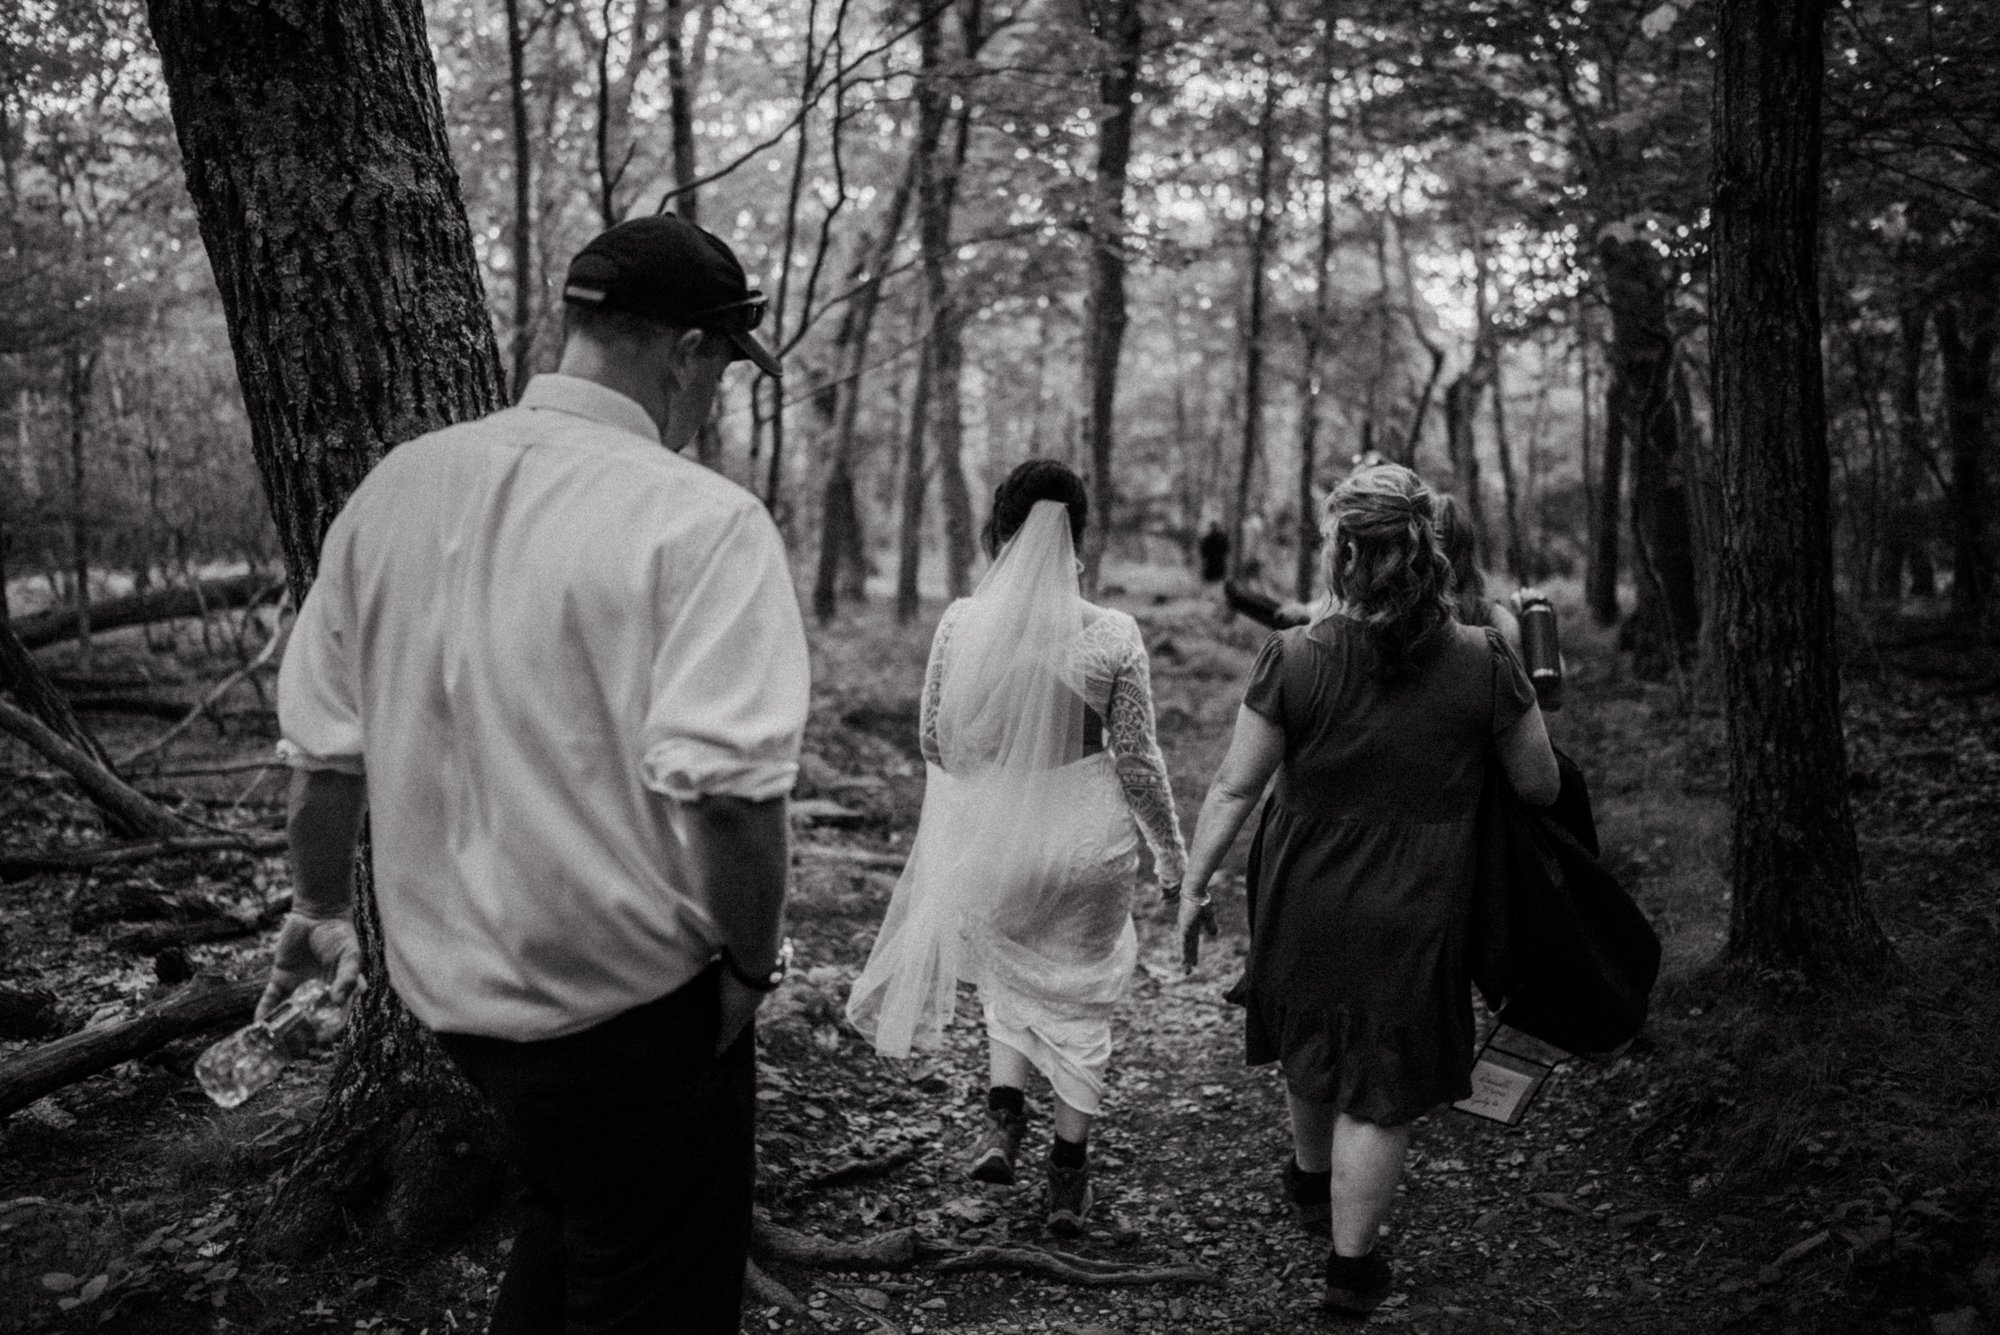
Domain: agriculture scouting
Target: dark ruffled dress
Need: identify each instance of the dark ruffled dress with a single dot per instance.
(1362, 870)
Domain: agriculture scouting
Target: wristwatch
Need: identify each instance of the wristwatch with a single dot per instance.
(767, 982)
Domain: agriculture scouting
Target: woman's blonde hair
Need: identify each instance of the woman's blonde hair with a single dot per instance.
(1385, 565)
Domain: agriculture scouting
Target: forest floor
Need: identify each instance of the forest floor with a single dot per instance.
(1767, 1158)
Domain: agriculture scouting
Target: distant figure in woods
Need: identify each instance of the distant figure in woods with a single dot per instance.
(1214, 550)
(565, 671)
(1043, 775)
(1377, 718)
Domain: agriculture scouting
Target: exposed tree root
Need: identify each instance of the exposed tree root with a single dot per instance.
(880, 1251)
(764, 1289)
(864, 1170)
(1073, 1269)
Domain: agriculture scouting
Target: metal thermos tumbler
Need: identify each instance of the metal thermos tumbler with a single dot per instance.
(1540, 649)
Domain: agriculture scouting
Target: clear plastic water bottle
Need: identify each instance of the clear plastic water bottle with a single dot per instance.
(249, 1059)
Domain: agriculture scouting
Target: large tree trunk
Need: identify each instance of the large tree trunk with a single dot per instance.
(1797, 901)
(1253, 329)
(1667, 616)
(1119, 28)
(680, 111)
(314, 147)
(1968, 327)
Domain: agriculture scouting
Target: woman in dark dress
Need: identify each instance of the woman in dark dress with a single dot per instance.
(1377, 718)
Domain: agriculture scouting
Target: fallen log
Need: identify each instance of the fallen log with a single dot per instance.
(165, 707)
(22, 678)
(135, 901)
(123, 805)
(138, 609)
(153, 938)
(200, 1006)
(863, 1170)
(17, 866)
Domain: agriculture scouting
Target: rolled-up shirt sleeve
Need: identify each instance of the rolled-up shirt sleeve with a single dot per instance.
(319, 717)
(731, 680)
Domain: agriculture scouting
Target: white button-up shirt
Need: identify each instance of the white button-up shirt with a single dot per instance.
(536, 634)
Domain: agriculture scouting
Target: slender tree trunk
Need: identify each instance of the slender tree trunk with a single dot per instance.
(1119, 29)
(933, 222)
(1253, 328)
(1798, 901)
(841, 535)
(1303, 576)
(316, 157)
(521, 242)
(1667, 616)
(1968, 327)
(1510, 487)
(1461, 414)
(79, 369)
(680, 112)
(910, 541)
(1904, 543)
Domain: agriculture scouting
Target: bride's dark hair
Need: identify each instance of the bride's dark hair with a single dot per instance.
(1035, 480)
(1385, 565)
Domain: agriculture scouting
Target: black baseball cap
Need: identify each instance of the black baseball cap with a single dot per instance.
(668, 269)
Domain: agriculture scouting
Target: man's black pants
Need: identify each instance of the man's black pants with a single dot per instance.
(638, 1145)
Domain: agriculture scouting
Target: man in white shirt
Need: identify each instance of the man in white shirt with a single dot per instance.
(563, 670)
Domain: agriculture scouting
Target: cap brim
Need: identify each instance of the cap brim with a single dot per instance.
(751, 350)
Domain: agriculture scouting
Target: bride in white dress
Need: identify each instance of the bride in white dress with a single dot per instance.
(1043, 775)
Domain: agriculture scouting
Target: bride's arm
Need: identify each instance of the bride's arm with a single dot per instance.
(927, 714)
(1134, 741)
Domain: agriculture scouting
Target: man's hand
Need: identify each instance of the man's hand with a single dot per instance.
(738, 1006)
(311, 948)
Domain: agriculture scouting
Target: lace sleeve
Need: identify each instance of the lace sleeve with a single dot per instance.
(927, 718)
(1142, 770)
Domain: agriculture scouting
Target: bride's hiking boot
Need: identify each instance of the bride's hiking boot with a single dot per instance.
(1356, 1285)
(993, 1153)
(1069, 1199)
(1311, 1198)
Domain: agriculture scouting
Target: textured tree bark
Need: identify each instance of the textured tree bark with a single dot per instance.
(1461, 412)
(1253, 328)
(313, 142)
(1667, 616)
(1119, 28)
(1798, 902)
(1968, 328)
(79, 369)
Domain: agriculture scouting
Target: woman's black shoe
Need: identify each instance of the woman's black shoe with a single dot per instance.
(1356, 1285)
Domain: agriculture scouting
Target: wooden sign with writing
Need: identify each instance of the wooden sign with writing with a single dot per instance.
(1509, 1071)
